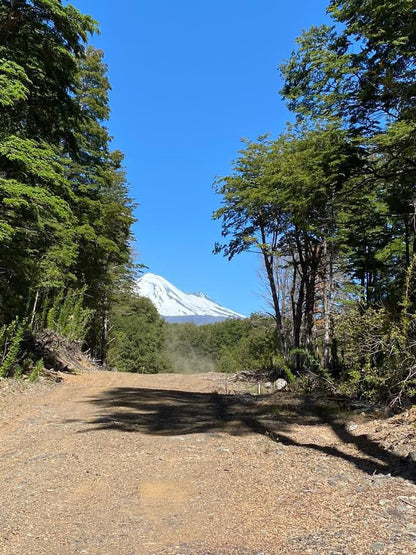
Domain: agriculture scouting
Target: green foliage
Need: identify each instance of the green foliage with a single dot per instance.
(65, 215)
(286, 199)
(330, 205)
(227, 361)
(36, 371)
(11, 337)
(136, 337)
(253, 351)
(378, 354)
(279, 363)
(18, 372)
(103, 208)
(361, 71)
(42, 41)
(229, 346)
(308, 361)
(68, 316)
(188, 349)
(13, 83)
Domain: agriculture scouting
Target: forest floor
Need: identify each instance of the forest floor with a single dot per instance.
(110, 463)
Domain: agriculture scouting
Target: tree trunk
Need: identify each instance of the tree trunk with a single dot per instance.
(297, 314)
(268, 263)
(327, 277)
(35, 304)
(275, 300)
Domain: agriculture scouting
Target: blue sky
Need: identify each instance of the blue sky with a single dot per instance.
(189, 79)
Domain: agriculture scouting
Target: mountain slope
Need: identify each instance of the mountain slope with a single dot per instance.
(177, 306)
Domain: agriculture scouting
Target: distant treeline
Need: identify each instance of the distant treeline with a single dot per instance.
(141, 341)
(229, 346)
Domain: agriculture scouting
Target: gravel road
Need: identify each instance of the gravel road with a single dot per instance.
(111, 463)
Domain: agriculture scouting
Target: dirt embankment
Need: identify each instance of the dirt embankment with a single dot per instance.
(109, 463)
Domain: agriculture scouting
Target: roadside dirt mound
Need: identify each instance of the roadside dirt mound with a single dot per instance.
(109, 463)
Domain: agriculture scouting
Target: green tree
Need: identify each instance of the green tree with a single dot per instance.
(361, 73)
(252, 349)
(65, 215)
(361, 70)
(137, 337)
(229, 346)
(40, 44)
(284, 199)
(251, 215)
(103, 208)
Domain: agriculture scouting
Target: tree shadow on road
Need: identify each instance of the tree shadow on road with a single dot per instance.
(171, 413)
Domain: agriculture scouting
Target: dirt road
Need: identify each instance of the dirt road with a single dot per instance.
(109, 463)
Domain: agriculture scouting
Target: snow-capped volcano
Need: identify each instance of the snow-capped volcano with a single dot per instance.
(176, 306)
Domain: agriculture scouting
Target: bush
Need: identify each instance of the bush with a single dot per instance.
(11, 338)
(137, 337)
(67, 316)
(378, 354)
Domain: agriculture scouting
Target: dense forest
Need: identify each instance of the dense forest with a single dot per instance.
(65, 215)
(329, 204)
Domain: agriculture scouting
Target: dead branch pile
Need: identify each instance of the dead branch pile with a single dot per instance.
(61, 355)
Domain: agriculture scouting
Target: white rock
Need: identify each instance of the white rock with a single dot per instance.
(280, 384)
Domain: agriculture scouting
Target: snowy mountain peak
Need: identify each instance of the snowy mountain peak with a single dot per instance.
(200, 295)
(175, 305)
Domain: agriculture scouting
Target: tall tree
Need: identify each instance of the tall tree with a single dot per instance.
(284, 199)
(40, 44)
(103, 208)
(361, 72)
(65, 215)
(252, 217)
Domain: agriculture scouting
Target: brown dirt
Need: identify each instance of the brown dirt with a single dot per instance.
(110, 463)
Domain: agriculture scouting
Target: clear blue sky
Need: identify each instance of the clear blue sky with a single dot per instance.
(189, 79)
